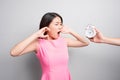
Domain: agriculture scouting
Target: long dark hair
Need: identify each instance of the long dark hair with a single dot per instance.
(47, 19)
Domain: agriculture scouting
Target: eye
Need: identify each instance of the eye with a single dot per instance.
(56, 24)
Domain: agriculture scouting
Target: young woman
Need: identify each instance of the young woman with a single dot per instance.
(100, 38)
(51, 49)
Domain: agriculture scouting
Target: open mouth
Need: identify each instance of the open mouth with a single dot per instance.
(59, 32)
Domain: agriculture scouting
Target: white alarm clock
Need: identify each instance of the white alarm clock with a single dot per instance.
(90, 31)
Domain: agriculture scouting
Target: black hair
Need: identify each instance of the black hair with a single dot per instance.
(47, 19)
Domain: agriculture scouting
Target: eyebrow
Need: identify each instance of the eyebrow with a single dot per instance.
(58, 22)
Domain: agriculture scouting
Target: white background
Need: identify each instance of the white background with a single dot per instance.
(20, 18)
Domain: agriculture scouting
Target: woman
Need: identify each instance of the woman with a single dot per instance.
(51, 49)
(100, 38)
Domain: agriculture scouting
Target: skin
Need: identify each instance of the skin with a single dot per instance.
(100, 38)
(53, 32)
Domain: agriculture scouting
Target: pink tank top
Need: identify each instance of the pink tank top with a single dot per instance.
(53, 57)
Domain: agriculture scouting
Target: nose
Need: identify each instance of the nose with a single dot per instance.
(60, 27)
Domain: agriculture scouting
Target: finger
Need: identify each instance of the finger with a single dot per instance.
(44, 36)
(97, 31)
(47, 29)
(92, 40)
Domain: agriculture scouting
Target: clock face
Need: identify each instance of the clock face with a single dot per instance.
(90, 33)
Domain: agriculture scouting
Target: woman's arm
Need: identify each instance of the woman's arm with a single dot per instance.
(78, 42)
(29, 44)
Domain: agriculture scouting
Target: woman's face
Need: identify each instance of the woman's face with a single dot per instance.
(55, 28)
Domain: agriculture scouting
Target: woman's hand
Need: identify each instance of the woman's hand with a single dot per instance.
(65, 30)
(42, 33)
